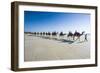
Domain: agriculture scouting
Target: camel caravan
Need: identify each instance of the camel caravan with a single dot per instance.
(60, 36)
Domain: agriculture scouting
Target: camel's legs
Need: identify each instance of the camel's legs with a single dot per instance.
(73, 37)
(79, 38)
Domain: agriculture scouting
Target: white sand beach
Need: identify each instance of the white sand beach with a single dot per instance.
(42, 49)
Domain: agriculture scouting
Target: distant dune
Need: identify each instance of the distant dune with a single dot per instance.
(55, 48)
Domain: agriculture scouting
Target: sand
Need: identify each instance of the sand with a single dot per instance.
(43, 49)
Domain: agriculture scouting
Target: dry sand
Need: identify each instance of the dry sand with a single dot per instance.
(42, 49)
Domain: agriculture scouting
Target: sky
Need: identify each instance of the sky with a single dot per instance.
(37, 21)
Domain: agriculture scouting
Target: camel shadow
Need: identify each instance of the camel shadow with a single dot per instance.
(67, 41)
(81, 41)
(46, 38)
(30, 35)
(61, 40)
(55, 39)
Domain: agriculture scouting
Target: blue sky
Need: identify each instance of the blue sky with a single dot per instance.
(35, 21)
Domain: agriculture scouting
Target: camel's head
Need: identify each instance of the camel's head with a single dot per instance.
(83, 32)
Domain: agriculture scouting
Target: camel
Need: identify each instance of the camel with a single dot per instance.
(62, 34)
(54, 33)
(78, 35)
(49, 33)
(41, 33)
(70, 34)
(37, 33)
(34, 33)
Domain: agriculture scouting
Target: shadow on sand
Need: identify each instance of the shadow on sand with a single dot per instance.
(64, 40)
(61, 40)
(81, 41)
(67, 41)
